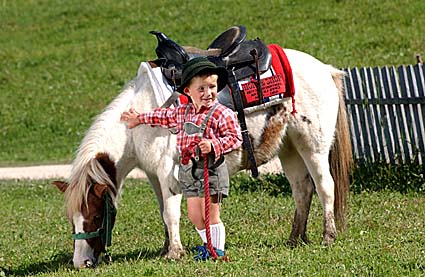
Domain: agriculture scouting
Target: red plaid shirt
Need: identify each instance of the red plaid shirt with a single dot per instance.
(222, 129)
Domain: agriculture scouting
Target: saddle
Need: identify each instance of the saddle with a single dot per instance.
(229, 49)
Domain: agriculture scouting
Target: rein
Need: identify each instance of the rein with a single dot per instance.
(104, 231)
(186, 154)
(207, 209)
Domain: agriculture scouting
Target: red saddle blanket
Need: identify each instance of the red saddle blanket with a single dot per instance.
(280, 64)
(276, 83)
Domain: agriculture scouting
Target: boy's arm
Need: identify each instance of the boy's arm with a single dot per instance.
(230, 136)
(131, 117)
(163, 117)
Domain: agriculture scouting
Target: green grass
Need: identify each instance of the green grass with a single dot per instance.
(385, 236)
(62, 62)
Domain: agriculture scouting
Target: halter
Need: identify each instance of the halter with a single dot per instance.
(104, 231)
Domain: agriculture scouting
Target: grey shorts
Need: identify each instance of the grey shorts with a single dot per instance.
(191, 178)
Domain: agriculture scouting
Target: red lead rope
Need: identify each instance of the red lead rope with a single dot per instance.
(207, 209)
(186, 154)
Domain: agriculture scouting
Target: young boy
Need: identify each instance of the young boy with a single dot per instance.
(201, 81)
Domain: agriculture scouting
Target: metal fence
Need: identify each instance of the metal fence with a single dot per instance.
(386, 108)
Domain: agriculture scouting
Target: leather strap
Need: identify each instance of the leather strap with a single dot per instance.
(237, 99)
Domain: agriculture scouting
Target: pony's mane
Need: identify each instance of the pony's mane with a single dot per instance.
(93, 163)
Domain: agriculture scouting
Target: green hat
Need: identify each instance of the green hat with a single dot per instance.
(198, 66)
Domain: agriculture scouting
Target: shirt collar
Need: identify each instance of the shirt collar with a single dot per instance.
(203, 108)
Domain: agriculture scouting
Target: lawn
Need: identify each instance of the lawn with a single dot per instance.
(62, 62)
(385, 236)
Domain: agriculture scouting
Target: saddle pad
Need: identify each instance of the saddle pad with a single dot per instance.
(272, 87)
(280, 64)
(276, 83)
(162, 90)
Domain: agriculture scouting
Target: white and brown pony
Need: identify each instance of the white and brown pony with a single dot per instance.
(313, 146)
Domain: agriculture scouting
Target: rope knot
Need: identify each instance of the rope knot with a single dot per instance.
(188, 152)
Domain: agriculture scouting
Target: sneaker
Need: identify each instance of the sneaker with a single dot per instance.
(220, 253)
(202, 253)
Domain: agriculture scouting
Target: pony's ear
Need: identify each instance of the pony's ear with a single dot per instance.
(62, 186)
(100, 190)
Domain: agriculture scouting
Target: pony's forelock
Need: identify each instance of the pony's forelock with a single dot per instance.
(86, 169)
(79, 186)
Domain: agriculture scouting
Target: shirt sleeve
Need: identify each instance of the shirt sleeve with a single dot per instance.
(162, 117)
(229, 134)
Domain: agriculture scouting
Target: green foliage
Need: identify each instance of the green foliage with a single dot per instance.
(62, 62)
(272, 184)
(384, 236)
(380, 176)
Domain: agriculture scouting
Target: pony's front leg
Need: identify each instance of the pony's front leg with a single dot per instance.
(171, 217)
(169, 200)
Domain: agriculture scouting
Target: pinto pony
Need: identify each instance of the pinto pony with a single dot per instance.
(313, 146)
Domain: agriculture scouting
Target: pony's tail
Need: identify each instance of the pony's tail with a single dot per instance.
(341, 157)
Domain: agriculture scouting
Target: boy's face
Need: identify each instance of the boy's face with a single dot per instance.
(202, 90)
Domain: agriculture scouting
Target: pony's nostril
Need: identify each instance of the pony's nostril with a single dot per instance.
(108, 258)
(88, 264)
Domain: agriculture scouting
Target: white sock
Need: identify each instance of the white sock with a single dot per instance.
(203, 234)
(218, 235)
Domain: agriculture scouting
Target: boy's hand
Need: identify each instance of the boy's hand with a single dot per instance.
(205, 146)
(131, 117)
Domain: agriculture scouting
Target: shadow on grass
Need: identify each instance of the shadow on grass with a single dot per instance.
(65, 260)
(53, 264)
(139, 254)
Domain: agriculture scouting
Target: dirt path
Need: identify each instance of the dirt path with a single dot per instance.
(61, 172)
(48, 172)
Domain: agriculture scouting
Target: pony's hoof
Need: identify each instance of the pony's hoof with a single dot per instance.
(305, 240)
(291, 243)
(328, 239)
(174, 254)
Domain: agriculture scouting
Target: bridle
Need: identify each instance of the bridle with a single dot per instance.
(104, 231)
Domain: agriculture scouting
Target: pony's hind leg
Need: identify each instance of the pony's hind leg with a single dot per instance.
(302, 192)
(318, 166)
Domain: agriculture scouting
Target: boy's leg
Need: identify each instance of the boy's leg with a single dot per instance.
(196, 211)
(203, 234)
(218, 236)
(218, 232)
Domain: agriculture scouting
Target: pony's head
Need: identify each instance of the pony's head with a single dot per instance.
(90, 202)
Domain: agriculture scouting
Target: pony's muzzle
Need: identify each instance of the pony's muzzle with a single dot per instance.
(88, 264)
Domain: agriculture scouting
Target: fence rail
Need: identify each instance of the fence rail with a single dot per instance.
(386, 108)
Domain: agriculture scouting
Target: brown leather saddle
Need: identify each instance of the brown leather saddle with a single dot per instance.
(230, 49)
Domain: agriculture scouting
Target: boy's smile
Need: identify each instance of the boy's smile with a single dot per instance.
(202, 90)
